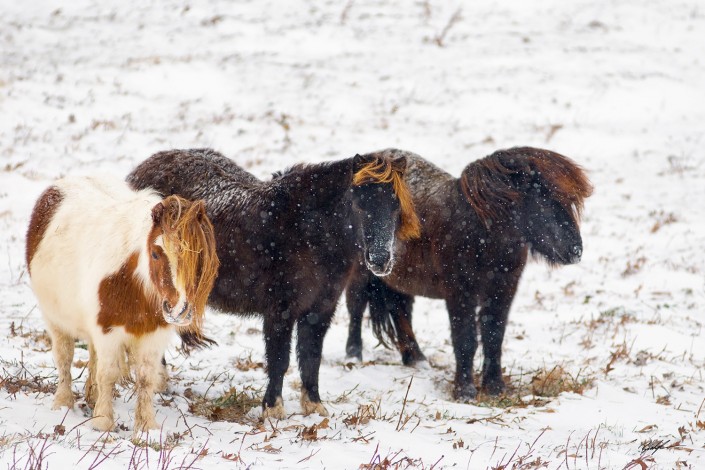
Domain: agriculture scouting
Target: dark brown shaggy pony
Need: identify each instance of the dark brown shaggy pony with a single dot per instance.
(287, 246)
(476, 233)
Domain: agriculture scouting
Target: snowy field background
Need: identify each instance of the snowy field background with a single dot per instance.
(618, 86)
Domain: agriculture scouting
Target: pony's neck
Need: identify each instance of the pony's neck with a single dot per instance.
(317, 186)
(144, 202)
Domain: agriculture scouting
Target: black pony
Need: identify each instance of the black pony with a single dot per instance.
(287, 246)
(476, 233)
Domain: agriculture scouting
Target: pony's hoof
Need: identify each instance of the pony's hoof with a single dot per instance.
(63, 400)
(145, 426)
(354, 359)
(411, 359)
(309, 406)
(102, 423)
(353, 353)
(465, 394)
(422, 365)
(493, 387)
(276, 411)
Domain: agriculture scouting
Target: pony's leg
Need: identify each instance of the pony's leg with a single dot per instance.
(462, 331)
(62, 347)
(356, 299)
(277, 345)
(90, 390)
(107, 349)
(163, 378)
(311, 329)
(148, 353)
(125, 360)
(401, 316)
(493, 323)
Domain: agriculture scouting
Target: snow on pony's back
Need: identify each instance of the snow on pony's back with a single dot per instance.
(121, 269)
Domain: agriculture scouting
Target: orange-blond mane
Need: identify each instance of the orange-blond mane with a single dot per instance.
(490, 188)
(189, 235)
(381, 171)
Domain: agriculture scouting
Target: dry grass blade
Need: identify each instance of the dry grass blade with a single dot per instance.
(440, 37)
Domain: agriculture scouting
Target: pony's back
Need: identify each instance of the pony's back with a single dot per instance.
(423, 177)
(193, 174)
(95, 224)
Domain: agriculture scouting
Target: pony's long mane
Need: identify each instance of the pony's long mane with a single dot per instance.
(189, 234)
(381, 171)
(489, 184)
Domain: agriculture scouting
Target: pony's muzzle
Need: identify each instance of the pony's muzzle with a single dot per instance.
(379, 262)
(181, 318)
(576, 253)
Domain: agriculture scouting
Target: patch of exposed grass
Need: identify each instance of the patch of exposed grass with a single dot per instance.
(37, 340)
(16, 378)
(232, 406)
(545, 383)
(246, 364)
(553, 382)
(364, 414)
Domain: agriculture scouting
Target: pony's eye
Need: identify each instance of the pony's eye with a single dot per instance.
(155, 255)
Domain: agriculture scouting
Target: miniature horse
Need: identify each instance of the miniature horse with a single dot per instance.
(476, 233)
(122, 270)
(288, 245)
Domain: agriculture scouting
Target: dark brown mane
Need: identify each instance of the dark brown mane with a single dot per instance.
(382, 171)
(490, 184)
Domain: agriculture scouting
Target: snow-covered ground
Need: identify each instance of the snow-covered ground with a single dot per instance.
(88, 86)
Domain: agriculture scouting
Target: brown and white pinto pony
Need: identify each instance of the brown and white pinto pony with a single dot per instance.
(121, 269)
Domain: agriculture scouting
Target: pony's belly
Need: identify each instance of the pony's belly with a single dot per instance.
(299, 284)
(65, 313)
(63, 306)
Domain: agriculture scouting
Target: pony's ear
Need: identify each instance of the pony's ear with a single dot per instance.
(200, 210)
(158, 213)
(399, 164)
(174, 205)
(361, 160)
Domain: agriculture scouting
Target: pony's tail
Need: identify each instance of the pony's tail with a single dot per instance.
(194, 341)
(383, 309)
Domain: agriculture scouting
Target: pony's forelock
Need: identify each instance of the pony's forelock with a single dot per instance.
(381, 170)
(189, 235)
(489, 188)
(565, 180)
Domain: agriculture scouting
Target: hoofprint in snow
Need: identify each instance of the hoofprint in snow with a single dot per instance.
(87, 87)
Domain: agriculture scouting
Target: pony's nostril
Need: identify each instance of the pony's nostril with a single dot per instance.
(380, 258)
(166, 306)
(184, 310)
(577, 250)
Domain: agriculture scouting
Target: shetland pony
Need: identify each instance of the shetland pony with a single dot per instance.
(288, 245)
(476, 233)
(122, 270)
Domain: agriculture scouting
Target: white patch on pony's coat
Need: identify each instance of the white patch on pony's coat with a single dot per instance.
(98, 225)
